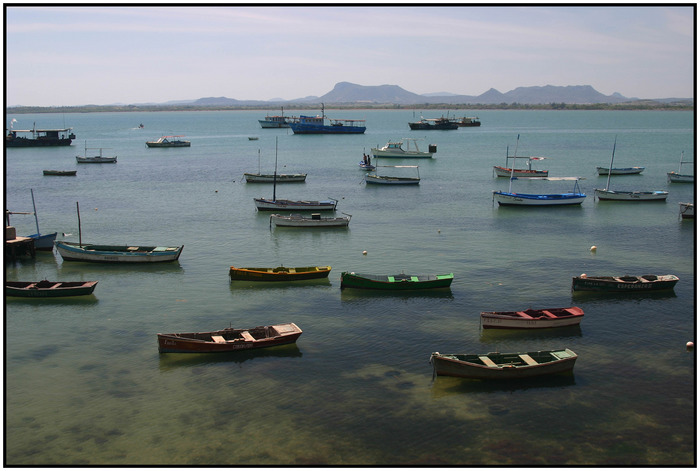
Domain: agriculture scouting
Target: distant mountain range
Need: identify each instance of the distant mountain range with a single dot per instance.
(350, 93)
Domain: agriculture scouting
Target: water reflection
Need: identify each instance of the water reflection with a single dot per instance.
(444, 386)
(582, 296)
(170, 361)
(499, 335)
(240, 285)
(86, 300)
(360, 295)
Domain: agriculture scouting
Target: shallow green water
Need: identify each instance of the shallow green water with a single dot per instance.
(85, 383)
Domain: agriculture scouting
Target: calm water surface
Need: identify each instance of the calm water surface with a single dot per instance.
(85, 385)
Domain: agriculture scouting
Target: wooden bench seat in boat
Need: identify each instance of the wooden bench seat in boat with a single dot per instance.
(246, 336)
(528, 359)
(487, 361)
(218, 339)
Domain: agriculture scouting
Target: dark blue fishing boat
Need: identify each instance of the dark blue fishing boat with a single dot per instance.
(317, 125)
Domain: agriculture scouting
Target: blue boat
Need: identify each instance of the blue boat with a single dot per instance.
(317, 125)
(507, 198)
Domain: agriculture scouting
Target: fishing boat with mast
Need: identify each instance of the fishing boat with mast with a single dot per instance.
(39, 137)
(678, 177)
(317, 125)
(271, 177)
(96, 159)
(274, 204)
(519, 172)
(607, 194)
(278, 121)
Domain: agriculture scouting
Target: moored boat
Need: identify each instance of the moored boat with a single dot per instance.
(41, 241)
(96, 159)
(466, 121)
(169, 141)
(623, 284)
(398, 282)
(229, 339)
(272, 178)
(620, 170)
(532, 318)
(76, 252)
(278, 273)
(315, 220)
(49, 289)
(275, 122)
(396, 150)
(496, 365)
(433, 124)
(540, 199)
(687, 210)
(39, 137)
(375, 178)
(317, 125)
(678, 177)
(61, 173)
(517, 172)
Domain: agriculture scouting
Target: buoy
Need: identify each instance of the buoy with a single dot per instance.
(216, 191)
(593, 248)
(364, 252)
(438, 231)
(583, 275)
(689, 345)
(95, 209)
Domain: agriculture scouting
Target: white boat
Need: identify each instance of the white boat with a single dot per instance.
(315, 220)
(374, 178)
(73, 251)
(169, 141)
(97, 159)
(274, 204)
(396, 150)
(508, 198)
(273, 177)
(275, 122)
(519, 172)
(532, 318)
(678, 177)
(687, 210)
(620, 170)
(607, 194)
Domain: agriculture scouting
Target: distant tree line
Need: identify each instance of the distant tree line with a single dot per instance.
(634, 105)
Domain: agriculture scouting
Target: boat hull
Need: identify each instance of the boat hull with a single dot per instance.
(271, 124)
(620, 171)
(385, 180)
(267, 178)
(532, 318)
(49, 289)
(61, 173)
(687, 210)
(506, 365)
(394, 282)
(520, 173)
(263, 204)
(278, 274)
(611, 195)
(301, 221)
(96, 160)
(44, 241)
(71, 251)
(674, 177)
(301, 128)
(230, 340)
(624, 284)
(524, 199)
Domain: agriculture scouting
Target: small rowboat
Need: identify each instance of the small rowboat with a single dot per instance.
(620, 171)
(623, 284)
(49, 289)
(61, 173)
(394, 282)
(76, 252)
(503, 365)
(229, 340)
(272, 178)
(278, 274)
(315, 220)
(532, 318)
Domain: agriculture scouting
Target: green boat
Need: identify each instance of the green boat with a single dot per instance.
(394, 282)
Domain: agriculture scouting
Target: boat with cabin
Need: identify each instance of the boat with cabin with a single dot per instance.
(39, 137)
(433, 124)
(495, 365)
(466, 121)
(532, 318)
(169, 141)
(280, 273)
(324, 125)
(278, 121)
(49, 289)
(623, 284)
(229, 339)
(395, 149)
(400, 282)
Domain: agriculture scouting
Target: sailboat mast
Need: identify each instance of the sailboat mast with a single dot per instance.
(274, 177)
(80, 231)
(512, 169)
(36, 218)
(607, 185)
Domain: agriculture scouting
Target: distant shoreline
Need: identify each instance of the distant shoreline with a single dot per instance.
(636, 105)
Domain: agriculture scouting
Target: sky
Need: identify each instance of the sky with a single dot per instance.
(127, 54)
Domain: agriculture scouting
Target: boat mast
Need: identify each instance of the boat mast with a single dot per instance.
(274, 177)
(512, 169)
(36, 218)
(80, 232)
(607, 185)
(680, 165)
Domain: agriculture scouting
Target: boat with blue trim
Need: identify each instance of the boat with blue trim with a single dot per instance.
(317, 125)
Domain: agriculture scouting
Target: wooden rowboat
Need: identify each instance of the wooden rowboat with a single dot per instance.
(76, 252)
(229, 339)
(315, 220)
(503, 365)
(278, 274)
(620, 170)
(532, 318)
(394, 282)
(49, 289)
(61, 173)
(623, 284)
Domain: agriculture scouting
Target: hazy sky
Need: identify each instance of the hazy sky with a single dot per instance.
(129, 54)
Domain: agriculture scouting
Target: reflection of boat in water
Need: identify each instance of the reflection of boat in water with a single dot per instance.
(168, 362)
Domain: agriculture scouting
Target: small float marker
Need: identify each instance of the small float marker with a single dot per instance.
(689, 345)
(364, 252)
(593, 248)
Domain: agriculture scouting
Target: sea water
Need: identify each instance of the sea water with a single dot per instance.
(85, 384)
